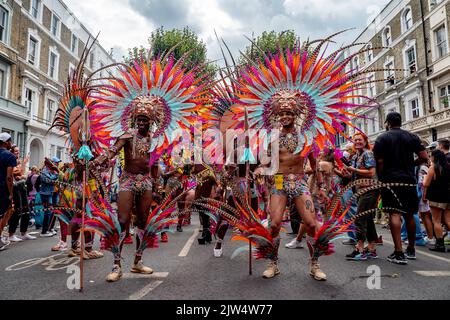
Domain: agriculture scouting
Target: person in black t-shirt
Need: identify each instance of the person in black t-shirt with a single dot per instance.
(444, 146)
(7, 164)
(394, 152)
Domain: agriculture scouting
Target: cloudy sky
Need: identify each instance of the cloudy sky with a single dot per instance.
(128, 23)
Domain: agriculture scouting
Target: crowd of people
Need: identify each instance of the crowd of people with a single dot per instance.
(130, 173)
(417, 216)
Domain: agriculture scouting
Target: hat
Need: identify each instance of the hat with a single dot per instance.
(56, 160)
(5, 137)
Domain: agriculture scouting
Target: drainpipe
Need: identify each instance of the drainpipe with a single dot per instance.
(425, 40)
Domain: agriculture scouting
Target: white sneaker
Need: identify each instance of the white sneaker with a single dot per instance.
(218, 252)
(27, 237)
(61, 246)
(430, 241)
(47, 235)
(294, 244)
(14, 238)
(4, 243)
(54, 232)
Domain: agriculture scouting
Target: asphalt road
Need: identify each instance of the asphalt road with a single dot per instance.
(29, 270)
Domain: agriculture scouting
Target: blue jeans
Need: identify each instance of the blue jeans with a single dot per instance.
(353, 209)
(419, 233)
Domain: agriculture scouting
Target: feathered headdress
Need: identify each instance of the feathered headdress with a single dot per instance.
(315, 88)
(73, 116)
(157, 88)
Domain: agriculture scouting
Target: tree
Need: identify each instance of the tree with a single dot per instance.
(270, 42)
(182, 42)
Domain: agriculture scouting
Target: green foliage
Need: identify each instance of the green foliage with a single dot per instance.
(270, 42)
(184, 42)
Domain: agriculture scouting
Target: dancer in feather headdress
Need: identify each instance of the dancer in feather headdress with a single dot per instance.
(142, 108)
(305, 95)
(74, 118)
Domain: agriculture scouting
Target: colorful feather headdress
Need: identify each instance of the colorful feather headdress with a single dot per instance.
(73, 114)
(315, 88)
(157, 88)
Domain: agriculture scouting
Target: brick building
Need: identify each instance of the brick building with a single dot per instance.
(41, 41)
(410, 35)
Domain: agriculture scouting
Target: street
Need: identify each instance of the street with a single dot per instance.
(184, 270)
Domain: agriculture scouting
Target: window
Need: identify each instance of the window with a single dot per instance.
(369, 53)
(411, 60)
(444, 96)
(55, 26)
(371, 89)
(414, 108)
(59, 152)
(71, 70)
(32, 51)
(356, 64)
(53, 66)
(102, 65)
(441, 41)
(91, 60)
(50, 110)
(389, 73)
(35, 5)
(407, 19)
(30, 97)
(373, 124)
(74, 46)
(387, 38)
(52, 150)
(3, 24)
(2, 82)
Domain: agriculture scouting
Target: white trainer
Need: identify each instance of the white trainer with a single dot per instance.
(14, 238)
(218, 252)
(27, 236)
(294, 244)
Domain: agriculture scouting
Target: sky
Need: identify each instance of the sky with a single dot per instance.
(125, 24)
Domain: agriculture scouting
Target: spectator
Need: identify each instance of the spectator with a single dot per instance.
(424, 207)
(55, 196)
(49, 176)
(33, 187)
(394, 151)
(444, 146)
(20, 197)
(364, 167)
(437, 192)
(347, 196)
(7, 164)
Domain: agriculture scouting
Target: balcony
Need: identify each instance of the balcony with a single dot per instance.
(433, 120)
(13, 109)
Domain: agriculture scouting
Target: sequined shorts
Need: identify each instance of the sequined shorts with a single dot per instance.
(137, 183)
(290, 185)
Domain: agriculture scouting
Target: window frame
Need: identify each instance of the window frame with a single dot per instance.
(51, 52)
(6, 27)
(36, 53)
(408, 64)
(444, 41)
(74, 49)
(387, 30)
(58, 25)
(405, 26)
(446, 96)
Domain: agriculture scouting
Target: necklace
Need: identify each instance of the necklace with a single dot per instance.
(289, 141)
(141, 145)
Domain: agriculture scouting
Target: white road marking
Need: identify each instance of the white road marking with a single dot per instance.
(184, 252)
(145, 290)
(434, 273)
(154, 275)
(424, 253)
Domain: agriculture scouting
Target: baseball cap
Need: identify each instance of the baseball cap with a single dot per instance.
(5, 137)
(56, 160)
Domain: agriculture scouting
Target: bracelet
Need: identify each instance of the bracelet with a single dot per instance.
(113, 149)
